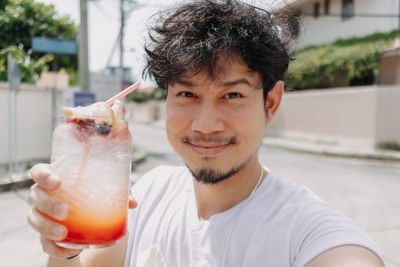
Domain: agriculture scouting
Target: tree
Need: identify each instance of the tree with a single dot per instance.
(30, 68)
(20, 20)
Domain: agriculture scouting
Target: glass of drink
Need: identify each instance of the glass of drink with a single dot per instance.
(91, 153)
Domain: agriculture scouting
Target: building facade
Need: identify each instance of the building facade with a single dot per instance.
(324, 21)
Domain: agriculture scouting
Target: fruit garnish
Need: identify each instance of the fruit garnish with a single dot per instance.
(118, 109)
(99, 111)
(71, 120)
(103, 128)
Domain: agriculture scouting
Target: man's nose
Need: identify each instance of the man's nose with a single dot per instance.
(208, 119)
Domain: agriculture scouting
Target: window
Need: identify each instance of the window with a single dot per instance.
(326, 7)
(347, 9)
(316, 10)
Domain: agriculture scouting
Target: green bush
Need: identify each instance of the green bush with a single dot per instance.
(141, 97)
(390, 146)
(352, 58)
(30, 68)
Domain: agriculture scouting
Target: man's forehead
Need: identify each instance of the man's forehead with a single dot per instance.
(231, 73)
(220, 82)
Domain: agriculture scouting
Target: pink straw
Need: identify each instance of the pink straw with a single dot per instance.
(123, 93)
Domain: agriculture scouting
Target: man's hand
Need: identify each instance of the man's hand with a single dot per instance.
(44, 204)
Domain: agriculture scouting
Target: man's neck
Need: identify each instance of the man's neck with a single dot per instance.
(217, 198)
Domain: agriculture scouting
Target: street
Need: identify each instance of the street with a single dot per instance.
(367, 191)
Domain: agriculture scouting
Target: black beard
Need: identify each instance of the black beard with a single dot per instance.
(211, 176)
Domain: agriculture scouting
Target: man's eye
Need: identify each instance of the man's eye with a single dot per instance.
(233, 95)
(186, 94)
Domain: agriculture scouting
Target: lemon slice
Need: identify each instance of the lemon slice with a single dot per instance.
(118, 109)
(99, 111)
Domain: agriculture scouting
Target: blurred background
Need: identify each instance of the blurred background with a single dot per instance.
(337, 130)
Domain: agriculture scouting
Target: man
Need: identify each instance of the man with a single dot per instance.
(221, 63)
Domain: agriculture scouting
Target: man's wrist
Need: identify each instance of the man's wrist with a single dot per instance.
(73, 261)
(70, 258)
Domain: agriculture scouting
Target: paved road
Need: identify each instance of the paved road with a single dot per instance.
(367, 191)
(19, 244)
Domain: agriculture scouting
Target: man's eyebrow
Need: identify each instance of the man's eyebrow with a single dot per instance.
(225, 83)
(183, 82)
(236, 82)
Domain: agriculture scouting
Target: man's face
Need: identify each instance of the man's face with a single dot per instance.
(217, 125)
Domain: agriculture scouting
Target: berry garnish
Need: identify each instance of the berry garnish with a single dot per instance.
(103, 128)
(71, 120)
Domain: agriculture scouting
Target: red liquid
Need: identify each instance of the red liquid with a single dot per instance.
(87, 231)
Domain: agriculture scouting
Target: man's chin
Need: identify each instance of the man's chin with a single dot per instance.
(212, 175)
(209, 158)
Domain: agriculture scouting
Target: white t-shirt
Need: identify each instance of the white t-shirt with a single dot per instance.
(283, 224)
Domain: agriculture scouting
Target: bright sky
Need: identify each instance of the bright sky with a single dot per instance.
(103, 20)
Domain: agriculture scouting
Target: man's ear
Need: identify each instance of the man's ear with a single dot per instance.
(273, 101)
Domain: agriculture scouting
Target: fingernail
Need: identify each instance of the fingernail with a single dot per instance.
(61, 210)
(57, 230)
(51, 181)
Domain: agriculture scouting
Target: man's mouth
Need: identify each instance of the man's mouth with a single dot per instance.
(208, 145)
(207, 149)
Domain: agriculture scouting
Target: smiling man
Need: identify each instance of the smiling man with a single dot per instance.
(221, 63)
(217, 125)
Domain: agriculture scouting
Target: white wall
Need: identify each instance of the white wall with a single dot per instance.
(326, 29)
(33, 125)
(388, 117)
(142, 112)
(359, 117)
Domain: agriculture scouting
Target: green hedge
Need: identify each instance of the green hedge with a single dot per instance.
(352, 58)
(141, 97)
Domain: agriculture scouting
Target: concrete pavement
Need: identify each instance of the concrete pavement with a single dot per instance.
(332, 149)
(19, 244)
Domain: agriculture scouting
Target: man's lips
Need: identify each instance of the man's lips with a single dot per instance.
(208, 144)
(206, 149)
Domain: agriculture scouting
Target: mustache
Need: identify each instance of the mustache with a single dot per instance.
(215, 139)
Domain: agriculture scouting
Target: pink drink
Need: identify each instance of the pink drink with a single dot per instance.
(93, 160)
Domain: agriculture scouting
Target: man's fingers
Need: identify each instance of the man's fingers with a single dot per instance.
(55, 251)
(42, 174)
(45, 226)
(47, 204)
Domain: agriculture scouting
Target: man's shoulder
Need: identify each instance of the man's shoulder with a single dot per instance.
(286, 192)
(300, 207)
(313, 226)
(298, 202)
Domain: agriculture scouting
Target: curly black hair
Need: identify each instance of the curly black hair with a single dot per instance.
(192, 37)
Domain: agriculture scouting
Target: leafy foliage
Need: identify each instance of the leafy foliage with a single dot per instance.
(30, 68)
(390, 146)
(20, 20)
(141, 97)
(352, 58)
